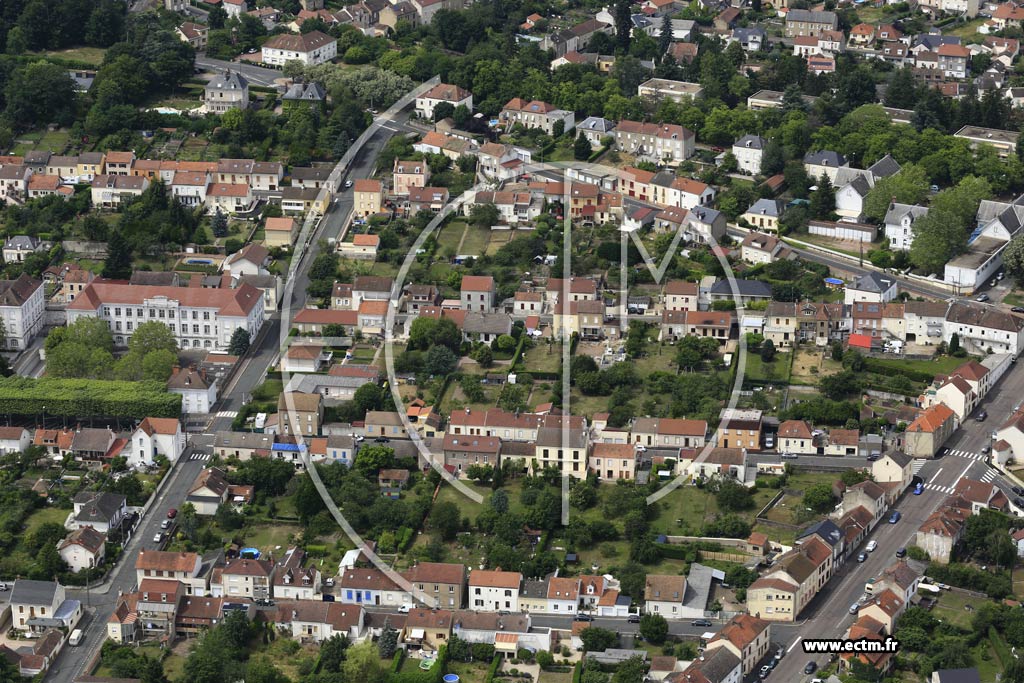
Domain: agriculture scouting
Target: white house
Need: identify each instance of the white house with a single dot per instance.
(899, 224)
(22, 305)
(35, 604)
(494, 590)
(83, 549)
(252, 260)
(14, 440)
(100, 510)
(442, 93)
(155, 436)
(370, 586)
(198, 391)
(310, 48)
(871, 287)
(748, 151)
(664, 595)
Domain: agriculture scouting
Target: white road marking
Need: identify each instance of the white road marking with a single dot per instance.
(937, 474)
(794, 644)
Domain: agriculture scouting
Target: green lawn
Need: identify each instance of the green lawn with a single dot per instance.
(449, 237)
(40, 517)
(475, 242)
(543, 357)
(936, 365)
(777, 371)
(966, 31)
(555, 677)
(89, 55)
(951, 608)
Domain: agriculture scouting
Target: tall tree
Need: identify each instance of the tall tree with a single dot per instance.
(239, 343)
(118, 265)
(665, 39)
(823, 199)
(623, 24)
(909, 186)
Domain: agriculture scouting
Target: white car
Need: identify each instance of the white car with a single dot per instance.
(158, 537)
(641, 449)
(348, 184)
(404, 609)
(872, 545)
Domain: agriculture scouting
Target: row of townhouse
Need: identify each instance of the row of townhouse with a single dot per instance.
(890, 596)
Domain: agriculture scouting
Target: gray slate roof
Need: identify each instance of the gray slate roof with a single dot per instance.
(98, 506)
(28, 592)
(751, 141)
(825, 157)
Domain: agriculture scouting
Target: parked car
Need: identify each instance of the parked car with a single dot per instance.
(982, 416)
(872, 544)
(1018, 490)
(854, 608)
(894, 517)
(700, 622)
(172, 513)
(790, 456)
(348, 184)
(918, 489)
(382, 439)
(1019, 502)
(862, 557)
(901, 553)
(583, 616)
(633, 619)
(874, 456)
(158, 537)
(641, 448)
(404, 609)
(810, 668)
(765, 670)
(1018, 309)
(985, 450)
(982, 298)
(166, 524)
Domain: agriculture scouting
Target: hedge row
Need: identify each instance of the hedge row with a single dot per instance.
(86, 398)
(492, 670)
(880, 367)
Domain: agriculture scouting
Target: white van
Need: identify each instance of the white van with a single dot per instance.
(75, 638)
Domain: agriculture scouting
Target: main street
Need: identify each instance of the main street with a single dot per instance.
(828, 614)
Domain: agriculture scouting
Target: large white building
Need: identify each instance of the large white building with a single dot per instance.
(310, 48)
(21, 307)
(442, 93)
(198, 317)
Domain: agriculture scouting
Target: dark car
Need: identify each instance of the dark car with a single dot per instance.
(1019, 502)
(172, 513)
(982, 416)
(581, 616)
(633, 619)
(862, 557)
(810, 668)
(1018, 309)
(1018, 490)
(901, 553)
(382, 439)
(873, 457)
(700, 622)
(944, 451)
(894, 517)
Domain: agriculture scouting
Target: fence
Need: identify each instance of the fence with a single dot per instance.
(723, 557)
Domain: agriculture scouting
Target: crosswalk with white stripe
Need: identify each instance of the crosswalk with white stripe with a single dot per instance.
(199, 455)
(227, 413)
(917, 464)
(990, 476)
(941, 489)
(980, 457)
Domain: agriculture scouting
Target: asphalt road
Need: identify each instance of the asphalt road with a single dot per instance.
(257, 75)
(100, 600)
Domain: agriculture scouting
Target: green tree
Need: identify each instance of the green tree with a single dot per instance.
(219, 224)
(772, 159)
(440, 361)
(188, 521)
(768, 351)
(954, 344)
(362, 663)
(217, 17)
(481, 354)
(581, 148)
(598, 639)
(118, 265)
(654, 628)
(332, 651)
(732, 496)
(239, 343)
(150, 336)
(823, 199)
(909, 186)
(446, 520)
(372, 459)
(1013, 258)
(819, 498)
